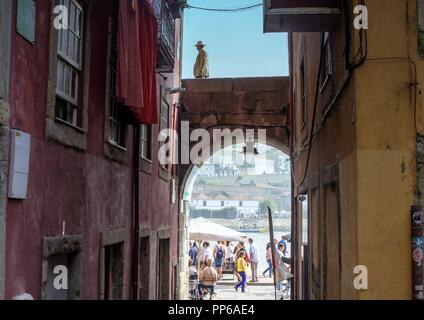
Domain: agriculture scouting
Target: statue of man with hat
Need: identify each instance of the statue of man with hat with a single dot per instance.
(201, 67)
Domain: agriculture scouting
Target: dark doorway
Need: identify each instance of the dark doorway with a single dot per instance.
(144, 268)
(114, 272)
(163, 269)
(175, 282)
(332, 243)
(53, 293)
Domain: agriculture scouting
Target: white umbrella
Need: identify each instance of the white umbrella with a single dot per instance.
(201, 229)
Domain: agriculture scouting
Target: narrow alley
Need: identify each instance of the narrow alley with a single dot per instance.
(194, 150)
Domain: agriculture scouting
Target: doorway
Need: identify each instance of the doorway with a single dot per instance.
(144, 268)
(114, 272)
(163, 269)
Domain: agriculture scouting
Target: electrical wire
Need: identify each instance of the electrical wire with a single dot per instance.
(298, 184)
(239, 9)
(359, 59)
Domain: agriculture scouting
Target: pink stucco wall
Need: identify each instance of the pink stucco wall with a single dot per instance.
(85, 189)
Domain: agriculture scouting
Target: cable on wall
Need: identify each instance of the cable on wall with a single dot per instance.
(238, 9)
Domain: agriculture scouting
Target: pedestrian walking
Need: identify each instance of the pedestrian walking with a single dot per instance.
(207, 253)
(268, 260)
(241, 268)
(193, 253)
(219, 254)
(229, 253)
(254, 259)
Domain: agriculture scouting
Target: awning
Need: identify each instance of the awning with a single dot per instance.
(137, 45)
(201, 229)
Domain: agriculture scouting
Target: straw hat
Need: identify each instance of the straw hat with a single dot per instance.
(200, 44)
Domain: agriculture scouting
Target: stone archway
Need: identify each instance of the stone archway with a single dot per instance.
(241, 103)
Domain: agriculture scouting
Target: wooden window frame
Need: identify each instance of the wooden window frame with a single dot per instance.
(164, 170)
(303, 98)
(116, 123)
(57, 130)
(71, 66)
(327, 62)
(146, 142)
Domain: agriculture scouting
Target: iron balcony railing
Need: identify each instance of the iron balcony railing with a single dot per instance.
(166, 35)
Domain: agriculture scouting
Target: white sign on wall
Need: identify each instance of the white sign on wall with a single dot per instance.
(19, 164)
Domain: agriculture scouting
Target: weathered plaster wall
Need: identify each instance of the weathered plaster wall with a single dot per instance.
(87, 191)
(371, 134)
(331, 177)
(157, 212)
(5, 35)
(386, 149)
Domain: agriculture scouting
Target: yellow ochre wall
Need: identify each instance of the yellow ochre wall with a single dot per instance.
(386, 148)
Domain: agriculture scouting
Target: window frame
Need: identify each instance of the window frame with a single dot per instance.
(164, 102)
(327, 62)
(116, 116)
(146, 142)
(75, 68)
(303, 98)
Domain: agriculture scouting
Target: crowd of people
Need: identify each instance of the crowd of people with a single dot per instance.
(209, 263)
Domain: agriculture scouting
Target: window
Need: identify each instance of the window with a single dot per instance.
(222, 204)
(164, 124)
(117, 122)
(146, 142)
(69, 64)
(327, 65)
(241, 204)
(303, 93)
(204, 203)
(305, 219)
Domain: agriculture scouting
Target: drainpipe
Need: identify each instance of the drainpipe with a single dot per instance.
(136, 209)
(417, 239)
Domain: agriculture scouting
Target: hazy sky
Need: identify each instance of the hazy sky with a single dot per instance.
(235, 42)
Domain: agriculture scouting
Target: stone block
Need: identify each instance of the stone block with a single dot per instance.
(4, 113)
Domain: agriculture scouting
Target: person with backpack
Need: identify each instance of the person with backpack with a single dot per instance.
(193, 253)
(219, 255)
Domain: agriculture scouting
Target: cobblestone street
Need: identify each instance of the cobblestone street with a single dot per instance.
(264, 290)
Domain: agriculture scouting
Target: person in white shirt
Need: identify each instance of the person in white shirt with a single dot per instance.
(207, 253)
(229, 253)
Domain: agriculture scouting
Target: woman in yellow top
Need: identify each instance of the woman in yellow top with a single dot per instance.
(241, 268)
